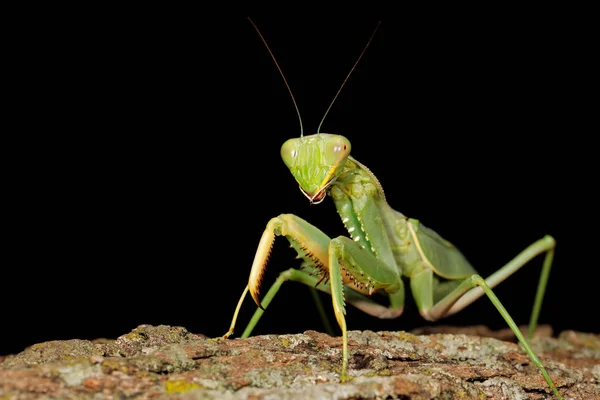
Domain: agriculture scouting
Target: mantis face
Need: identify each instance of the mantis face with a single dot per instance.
(315, 161)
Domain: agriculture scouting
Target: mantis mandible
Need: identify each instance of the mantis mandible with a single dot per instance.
(384, 247)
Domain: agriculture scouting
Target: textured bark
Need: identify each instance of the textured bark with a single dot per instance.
(169, 362)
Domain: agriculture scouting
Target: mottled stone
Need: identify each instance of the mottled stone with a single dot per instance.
(170, 362)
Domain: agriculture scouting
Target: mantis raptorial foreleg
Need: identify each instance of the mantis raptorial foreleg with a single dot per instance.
(340, 261)
(347, 256)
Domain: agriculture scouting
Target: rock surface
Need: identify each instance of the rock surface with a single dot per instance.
(156, 362)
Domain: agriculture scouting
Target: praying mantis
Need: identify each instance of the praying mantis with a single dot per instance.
(384, 249)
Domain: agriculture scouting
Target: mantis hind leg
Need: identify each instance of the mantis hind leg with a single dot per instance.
(478, 281)
(545, 245)
(458, 296)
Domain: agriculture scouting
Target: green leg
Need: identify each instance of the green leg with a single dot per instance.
(362, 271)
(358, 264)
(322, 313)
(423, 297)
(337, 297)
(478, 280)
(544, 245)
(541, 289)
(354, 298)
(289, 275)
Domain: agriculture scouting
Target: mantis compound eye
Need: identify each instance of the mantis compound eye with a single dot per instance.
(289, 151)
(336, 149)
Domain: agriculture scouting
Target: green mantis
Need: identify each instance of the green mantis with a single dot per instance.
(384, 249)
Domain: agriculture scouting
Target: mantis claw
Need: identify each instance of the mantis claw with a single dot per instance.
(260, 261)
(254, 295)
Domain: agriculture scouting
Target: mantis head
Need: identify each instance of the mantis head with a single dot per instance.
(315, 161)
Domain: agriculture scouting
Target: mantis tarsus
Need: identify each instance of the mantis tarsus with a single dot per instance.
(383, 248)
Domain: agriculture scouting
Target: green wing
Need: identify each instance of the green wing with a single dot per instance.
(445, 259)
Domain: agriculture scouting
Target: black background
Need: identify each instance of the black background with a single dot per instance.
(146, 160)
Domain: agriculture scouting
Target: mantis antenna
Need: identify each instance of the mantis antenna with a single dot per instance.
(348, 76)
(281, 72)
